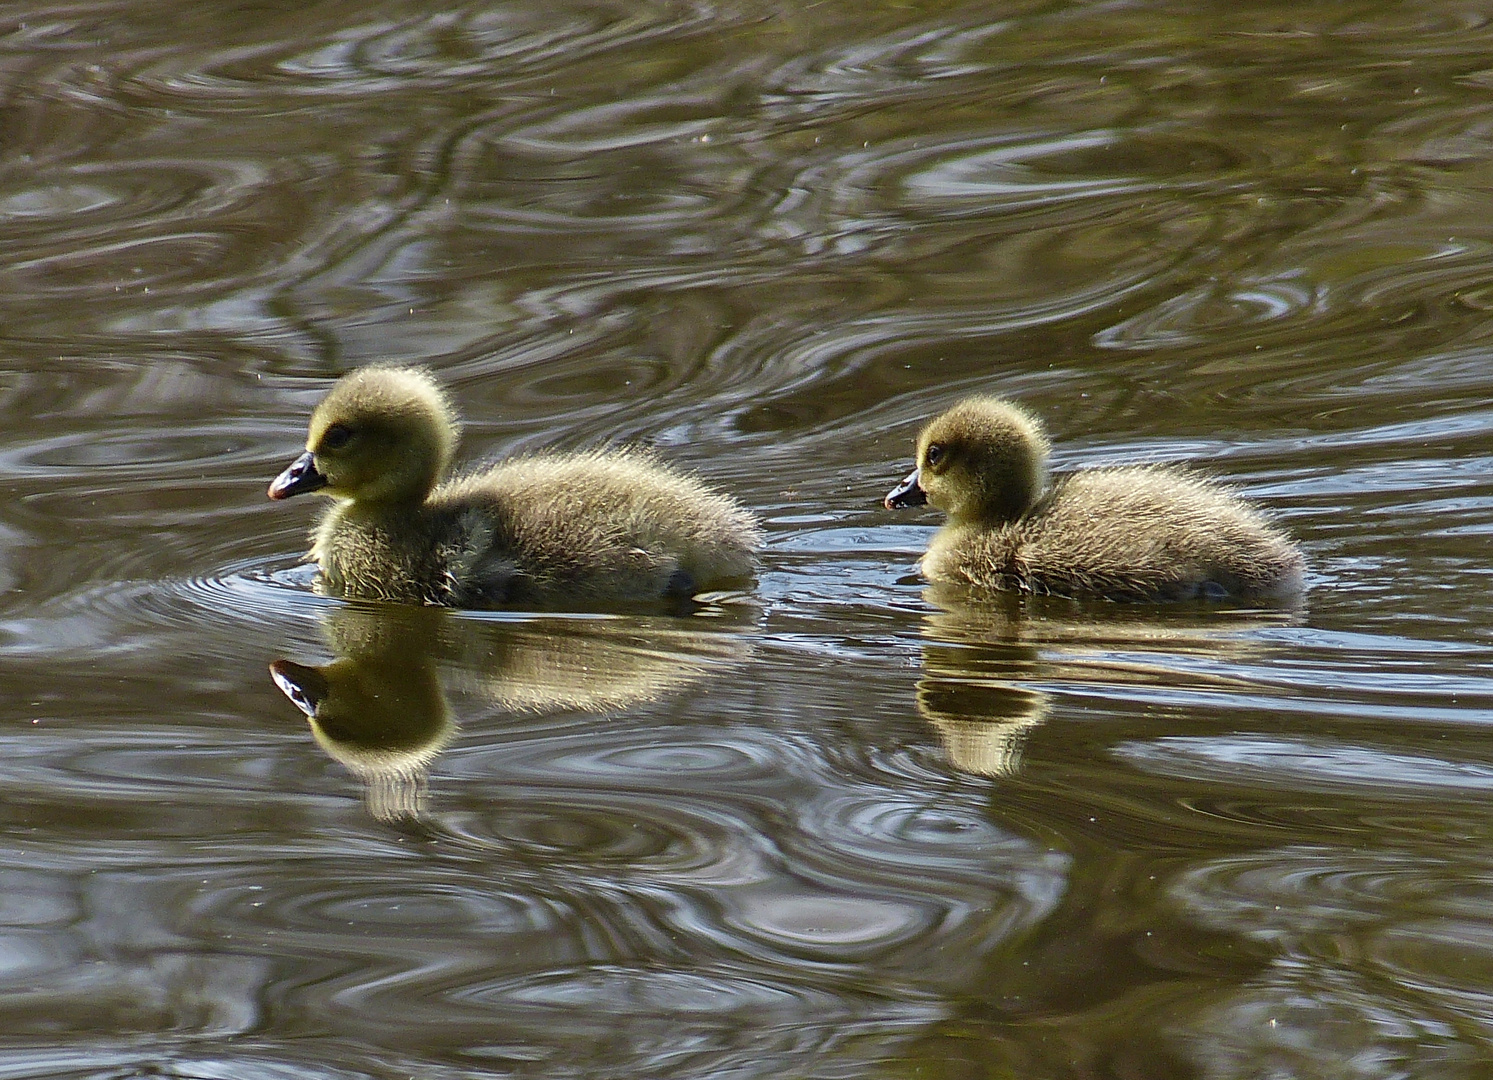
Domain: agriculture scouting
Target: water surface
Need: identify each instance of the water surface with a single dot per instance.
(842, 827)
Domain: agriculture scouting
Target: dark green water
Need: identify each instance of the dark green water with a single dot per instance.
(838, 829)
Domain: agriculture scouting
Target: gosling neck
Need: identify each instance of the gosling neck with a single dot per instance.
(403, 505)
(1001, 501)
(395, 492)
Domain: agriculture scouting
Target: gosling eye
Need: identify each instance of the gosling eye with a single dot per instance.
(933, 455)
(336, 437)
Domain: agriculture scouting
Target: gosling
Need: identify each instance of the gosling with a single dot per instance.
(595, 528)
(1148, 533)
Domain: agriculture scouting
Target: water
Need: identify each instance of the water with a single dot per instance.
(840, 827)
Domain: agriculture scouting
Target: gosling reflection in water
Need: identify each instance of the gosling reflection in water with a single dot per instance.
(982, 656)
(379, 708)
(382, 710)
(971, 690)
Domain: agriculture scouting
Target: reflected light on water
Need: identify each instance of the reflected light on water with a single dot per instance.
(846, 825)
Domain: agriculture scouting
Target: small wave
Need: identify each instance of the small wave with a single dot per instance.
(267, 600)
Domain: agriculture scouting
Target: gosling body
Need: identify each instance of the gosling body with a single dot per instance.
(1150, 533)
(601, 527)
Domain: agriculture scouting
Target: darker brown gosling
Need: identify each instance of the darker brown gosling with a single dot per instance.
(601, 527)
(1148, 532)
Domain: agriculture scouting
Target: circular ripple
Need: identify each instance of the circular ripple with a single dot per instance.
(364, 904)
(445, 49)
(906, 828)
(94, 196)
(1298, 890)
(142, 229)
(828, 927)
(267, 599)
(646, 992)
(647, 835)
(135, 455)
(1305, 764)
(106, 1061)
(721, 762)
(591, 835)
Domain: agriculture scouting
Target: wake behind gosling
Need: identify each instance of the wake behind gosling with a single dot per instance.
(594, 528)
(1146, 532)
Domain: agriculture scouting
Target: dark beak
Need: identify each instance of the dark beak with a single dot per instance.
(305, 686)
(907, 493)
(300, 478)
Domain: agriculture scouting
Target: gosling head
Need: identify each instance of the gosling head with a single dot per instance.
(382, 435)
(983, 460)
